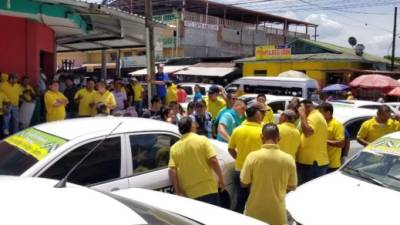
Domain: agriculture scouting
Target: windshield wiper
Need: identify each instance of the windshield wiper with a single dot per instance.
(393, 177)
(368, 177)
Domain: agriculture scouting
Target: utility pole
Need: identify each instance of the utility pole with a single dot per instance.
(394, 38)
(150, 55)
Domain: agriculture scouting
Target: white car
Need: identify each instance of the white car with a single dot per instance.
(352, 119)
(359, 104)
(394, 105)
(135, 154)
(363, 191)
(37, 201)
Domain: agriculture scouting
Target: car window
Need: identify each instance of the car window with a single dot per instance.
(277, 106)
(203, 90)
(354, 126)
(188, 90)
(369, 106)
(150, 151)
(102, 165)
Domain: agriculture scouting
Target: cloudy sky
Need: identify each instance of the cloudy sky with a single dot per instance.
(338, 20)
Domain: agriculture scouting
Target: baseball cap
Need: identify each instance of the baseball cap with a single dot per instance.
(214, 89)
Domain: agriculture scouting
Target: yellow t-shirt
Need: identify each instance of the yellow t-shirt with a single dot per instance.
(54, 113)
(269, 116)
(269, 171)
(107, 98)
(138, 91)
(190, 157)
(26, 92)
(13, 92)
(3, 99)
(172, 95)
(213, 107)
(245, 139)
(290, 138)
(314, 147)
(371, 130)
(84, 102)
(335, 133)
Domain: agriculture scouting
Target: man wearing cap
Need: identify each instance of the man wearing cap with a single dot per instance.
(289, 134)
(214, 101)
(245, 139)
(160, 82)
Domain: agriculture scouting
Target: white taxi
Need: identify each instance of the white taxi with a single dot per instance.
(36, 201)
(132, 152)
(363, 191)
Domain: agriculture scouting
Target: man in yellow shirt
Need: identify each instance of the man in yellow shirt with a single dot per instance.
(271, 173)
(336, 139)
(191, 164)
(312, 157)
(84, 99)
(214, 101)
(138, 96)
(13, 91)
(172, 94)
(245, 139)
(269, 114)
(55, 103)
(27, 90)
(376, 127)
(102, 95)
(290, 135)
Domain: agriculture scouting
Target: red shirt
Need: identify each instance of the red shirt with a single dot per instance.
(181, 95)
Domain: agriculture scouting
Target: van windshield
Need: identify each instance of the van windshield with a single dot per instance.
(274, 90)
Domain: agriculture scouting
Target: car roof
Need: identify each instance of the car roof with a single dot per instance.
(27, 200)
(345, 114)
(355, 103)
(195, 210)
(269, 97)
(72, 128)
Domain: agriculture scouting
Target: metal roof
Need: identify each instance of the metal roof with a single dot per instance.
(207, 71)
(111, 28)
(167, 69)
(199, 6)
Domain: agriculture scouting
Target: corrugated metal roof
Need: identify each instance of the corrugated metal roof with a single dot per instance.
(167, 69)
(207, 71)
(342, 54)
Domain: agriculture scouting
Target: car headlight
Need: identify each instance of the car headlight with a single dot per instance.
(291, 220)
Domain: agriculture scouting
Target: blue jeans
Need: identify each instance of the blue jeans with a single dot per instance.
(306, 173)
(241, 193)
(212, 199)
(11, 120)
(139, 107)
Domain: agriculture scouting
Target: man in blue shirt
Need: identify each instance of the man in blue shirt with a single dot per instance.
(160, 80)
(229, 120)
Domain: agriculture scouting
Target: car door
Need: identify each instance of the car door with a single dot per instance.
(352, 127)
(104, 169)
(277, 106)
(147, 162)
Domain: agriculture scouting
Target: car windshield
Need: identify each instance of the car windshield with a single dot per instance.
(153, 215)
(376, 167)
(22, 150)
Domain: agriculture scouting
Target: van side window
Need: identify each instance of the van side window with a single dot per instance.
(260, 73)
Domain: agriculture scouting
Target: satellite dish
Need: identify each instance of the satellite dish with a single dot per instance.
(360, 49)
(352, 41)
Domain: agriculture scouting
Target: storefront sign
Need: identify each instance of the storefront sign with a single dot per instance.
(270, 51)
(201, 25)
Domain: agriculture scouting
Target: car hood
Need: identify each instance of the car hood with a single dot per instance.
(341, 199)
(195, 210)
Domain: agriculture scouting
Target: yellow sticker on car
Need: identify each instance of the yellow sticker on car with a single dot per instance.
(385, 145)
(35, 142)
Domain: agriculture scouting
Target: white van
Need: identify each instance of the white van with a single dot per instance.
(299, 87)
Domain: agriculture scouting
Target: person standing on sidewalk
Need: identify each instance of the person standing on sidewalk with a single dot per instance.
(13, 91)
(55, 103)
(270, 173)
(245, 139)
(191, 165)
(312, 157)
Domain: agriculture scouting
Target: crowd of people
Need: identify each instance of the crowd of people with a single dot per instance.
(271, 158)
